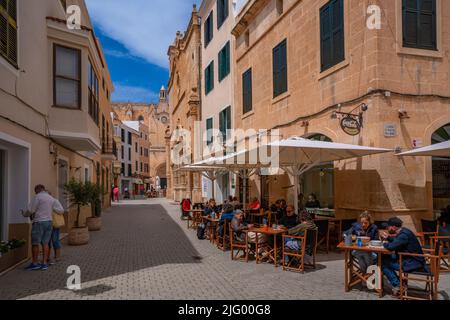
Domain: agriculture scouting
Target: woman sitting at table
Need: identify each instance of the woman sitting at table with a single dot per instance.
(364, 228)
(211, 209)
(239, 226)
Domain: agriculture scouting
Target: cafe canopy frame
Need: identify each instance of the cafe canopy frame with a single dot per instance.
(294, 155)
(436, 150)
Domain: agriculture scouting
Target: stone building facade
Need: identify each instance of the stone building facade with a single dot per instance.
(397, 80)
(156, 119)
(54, 109)
(185, 111)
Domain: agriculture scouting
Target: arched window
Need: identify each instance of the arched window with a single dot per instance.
(141, 118)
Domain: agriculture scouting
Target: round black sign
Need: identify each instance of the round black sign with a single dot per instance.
(351, 126)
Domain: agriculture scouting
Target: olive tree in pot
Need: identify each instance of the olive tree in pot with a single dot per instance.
(94, 223)
(79, 196)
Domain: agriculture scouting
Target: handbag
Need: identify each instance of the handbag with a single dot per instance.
(58, 220)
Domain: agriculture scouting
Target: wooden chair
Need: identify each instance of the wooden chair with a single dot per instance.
(441, 247)
(428, 276)
(308, 246)
(196, 220)
(323, 227)
(237, 246)
(223, 241)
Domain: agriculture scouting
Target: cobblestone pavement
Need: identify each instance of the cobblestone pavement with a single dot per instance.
(144, 251)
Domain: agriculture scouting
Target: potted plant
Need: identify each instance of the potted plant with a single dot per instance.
(11, 253)
(79, 196)
(94, 223)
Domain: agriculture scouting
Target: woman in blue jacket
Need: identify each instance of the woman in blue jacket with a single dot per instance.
(364, 228)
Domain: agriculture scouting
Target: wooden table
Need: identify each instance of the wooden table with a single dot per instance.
(212, 227)
(353, 275)
(272, 251)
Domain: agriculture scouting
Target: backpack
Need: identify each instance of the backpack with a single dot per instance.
(201, 231)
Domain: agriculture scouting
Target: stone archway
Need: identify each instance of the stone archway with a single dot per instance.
(441, 171)
(161, 175)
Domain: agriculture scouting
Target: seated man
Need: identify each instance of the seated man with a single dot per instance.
(306, 223)
(289, 220)
(400, 239)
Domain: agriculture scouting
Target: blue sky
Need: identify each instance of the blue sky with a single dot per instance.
(135, 38)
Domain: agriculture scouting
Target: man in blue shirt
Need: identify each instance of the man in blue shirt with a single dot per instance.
(403, 240)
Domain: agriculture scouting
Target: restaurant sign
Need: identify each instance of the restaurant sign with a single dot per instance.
(351, 126)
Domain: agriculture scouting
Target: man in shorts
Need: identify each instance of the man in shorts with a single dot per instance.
(41, 208)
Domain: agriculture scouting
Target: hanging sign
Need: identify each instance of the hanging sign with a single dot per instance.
(351, 126)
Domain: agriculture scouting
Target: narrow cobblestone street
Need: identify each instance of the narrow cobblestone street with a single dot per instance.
(144, 251)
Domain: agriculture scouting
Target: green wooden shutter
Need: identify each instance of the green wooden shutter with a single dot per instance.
(419, 24)
(325, 37)
(222, 125)
(280, 69)
(228, 118)
(283, 67)
(209, 127)
(247, 91)
(338, 31)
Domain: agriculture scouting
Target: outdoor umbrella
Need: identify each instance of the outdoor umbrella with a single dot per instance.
(295, 156)
(436, 150)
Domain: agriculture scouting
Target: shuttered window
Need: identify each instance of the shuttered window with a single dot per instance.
(209, 131)
(8, 31)
(209, 78)
(93, 87)
(247, 91)
(67, 78)
(222, 12)
(225, 122)
(332, 48)
(224, 62)
(419, 24)
(209, 28)
(280, 81)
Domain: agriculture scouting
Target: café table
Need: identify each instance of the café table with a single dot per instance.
(272, 251)
(353, 275)
(212, 225)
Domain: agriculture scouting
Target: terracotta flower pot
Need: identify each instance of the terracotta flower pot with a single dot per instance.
(94, 224)
(79, 236)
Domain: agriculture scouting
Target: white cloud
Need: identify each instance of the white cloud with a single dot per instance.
(126, 93)
(145, 27)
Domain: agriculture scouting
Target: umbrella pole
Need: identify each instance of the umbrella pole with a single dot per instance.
(244, 188)
(296, 180)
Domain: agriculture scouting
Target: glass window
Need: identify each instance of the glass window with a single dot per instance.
(67, 79)
(332, 47)
(419, 24)
(8, 31)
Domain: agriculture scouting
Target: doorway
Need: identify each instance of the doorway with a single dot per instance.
(63, 178)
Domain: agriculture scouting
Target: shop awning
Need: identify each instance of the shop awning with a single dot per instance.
(436, 150)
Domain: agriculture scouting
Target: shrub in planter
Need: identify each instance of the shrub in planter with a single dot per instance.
(79, 196)
(94, 223)
(11, 253)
